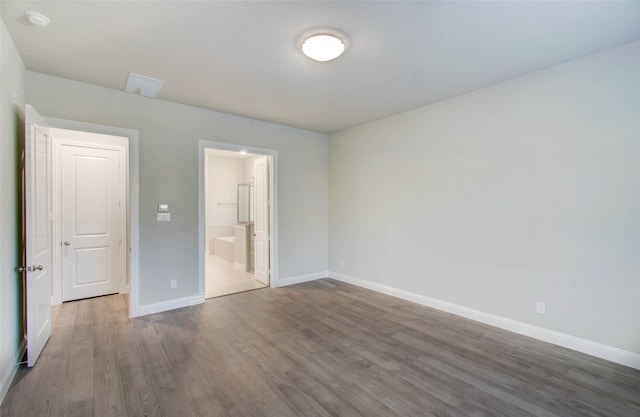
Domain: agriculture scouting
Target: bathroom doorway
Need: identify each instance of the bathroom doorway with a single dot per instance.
(237, 213)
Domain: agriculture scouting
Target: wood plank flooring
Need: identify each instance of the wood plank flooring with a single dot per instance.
(322, 348)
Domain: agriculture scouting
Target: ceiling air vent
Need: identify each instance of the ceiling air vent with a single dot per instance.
(143, 85)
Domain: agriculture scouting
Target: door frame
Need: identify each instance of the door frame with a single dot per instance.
(106, 143)
(133, 200)
(273, 205)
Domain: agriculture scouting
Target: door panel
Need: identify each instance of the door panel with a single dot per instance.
(38, 233)
(95, 260)
(91, 194)
(261, 220)
(90, 221)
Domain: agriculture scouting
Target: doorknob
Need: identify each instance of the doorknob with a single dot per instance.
(67, 243)
(22, 269)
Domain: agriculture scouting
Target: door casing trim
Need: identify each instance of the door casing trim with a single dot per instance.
(133, 198)
(273, 205)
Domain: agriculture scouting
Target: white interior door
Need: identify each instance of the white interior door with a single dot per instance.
(37, 154)
(261, 220)
(91, 221)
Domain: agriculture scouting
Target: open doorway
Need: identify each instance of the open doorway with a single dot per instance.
(129, 243)
(237, 219)
(95, 204)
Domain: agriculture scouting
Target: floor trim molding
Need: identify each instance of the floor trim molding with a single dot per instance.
(167, 305)
(589, 347)
(283, 282)
(9, 373)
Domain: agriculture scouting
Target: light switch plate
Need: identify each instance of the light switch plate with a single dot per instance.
(164, 217)
(163, 208)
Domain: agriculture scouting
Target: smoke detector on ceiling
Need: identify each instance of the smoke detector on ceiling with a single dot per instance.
(143, 85)
(38, 19)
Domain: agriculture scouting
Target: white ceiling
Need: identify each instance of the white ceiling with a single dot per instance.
(241, 57)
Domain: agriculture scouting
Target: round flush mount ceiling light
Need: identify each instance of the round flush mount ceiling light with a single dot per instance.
(323, 46)
(38, 19)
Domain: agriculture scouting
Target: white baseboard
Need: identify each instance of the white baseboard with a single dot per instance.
(7, 375)
(283, 282)
(599, 350)
(146, 309)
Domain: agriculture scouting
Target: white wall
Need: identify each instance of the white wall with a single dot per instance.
(168, 148)
(223, 177)
(524, 191)
(11, 144)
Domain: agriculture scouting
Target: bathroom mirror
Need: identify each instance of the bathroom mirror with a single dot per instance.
(245, 203)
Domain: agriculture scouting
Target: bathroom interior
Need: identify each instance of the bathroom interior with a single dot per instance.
(229, 202)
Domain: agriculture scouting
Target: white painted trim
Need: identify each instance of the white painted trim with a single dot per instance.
(8, 374)
(589, 347)
(134, 228)
(134, 198)
(146, 309)
(283, 282)
(298, 279)
(273, 212)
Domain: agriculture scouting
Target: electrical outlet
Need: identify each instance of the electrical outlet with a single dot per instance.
(541, 308)
(341, 263)
(174, 284)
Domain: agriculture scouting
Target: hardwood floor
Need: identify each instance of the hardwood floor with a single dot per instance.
(322, 348)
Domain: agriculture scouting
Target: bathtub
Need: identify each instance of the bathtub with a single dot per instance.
(225, 247)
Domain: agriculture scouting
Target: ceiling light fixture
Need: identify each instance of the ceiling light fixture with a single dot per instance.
(323, 46)
(37, 19)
